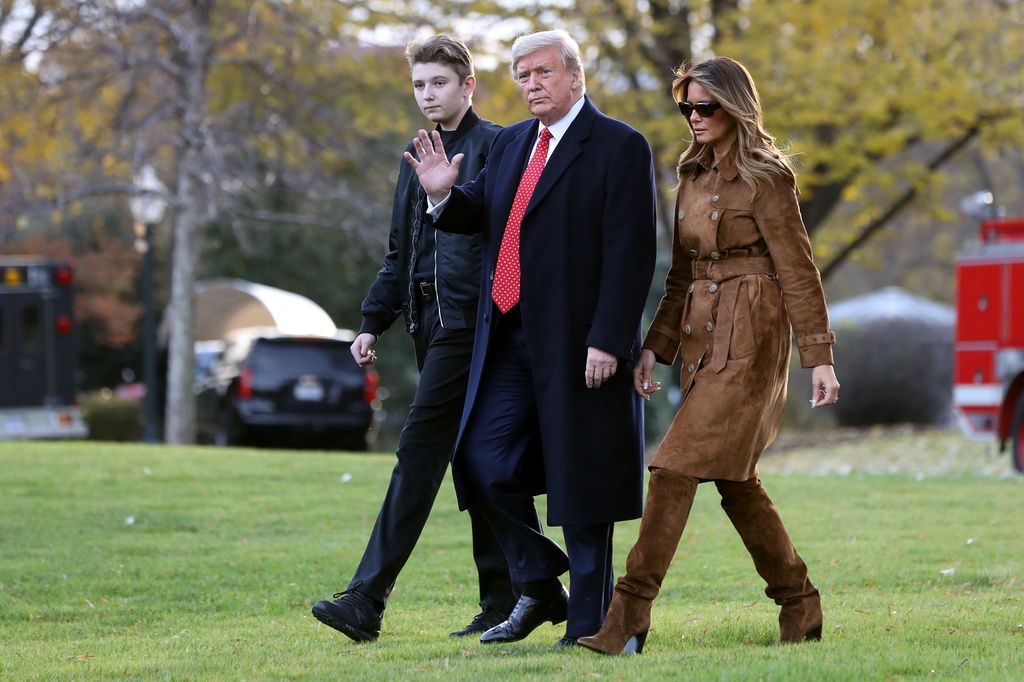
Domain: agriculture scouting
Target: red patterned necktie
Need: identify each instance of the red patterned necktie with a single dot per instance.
(505, 291)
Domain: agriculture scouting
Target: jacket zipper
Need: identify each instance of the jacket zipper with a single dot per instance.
(437, 290)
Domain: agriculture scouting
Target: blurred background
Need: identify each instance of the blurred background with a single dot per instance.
(274, 132)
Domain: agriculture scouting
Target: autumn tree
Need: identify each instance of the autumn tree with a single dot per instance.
(273, 122)
(254, 113)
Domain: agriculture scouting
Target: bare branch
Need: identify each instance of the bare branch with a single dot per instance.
(173, 28)
(899, 204)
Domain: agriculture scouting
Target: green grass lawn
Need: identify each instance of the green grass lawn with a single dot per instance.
(136, 562)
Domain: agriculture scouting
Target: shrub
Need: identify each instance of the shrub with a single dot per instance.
(894, 371)
(110, 417)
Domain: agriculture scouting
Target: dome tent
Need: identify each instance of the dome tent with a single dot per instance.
(226, 305)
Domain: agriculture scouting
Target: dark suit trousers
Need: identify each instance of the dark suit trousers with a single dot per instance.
(424, 450)
(500, 454)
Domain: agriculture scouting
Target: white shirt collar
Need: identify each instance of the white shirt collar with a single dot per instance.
(559, 127)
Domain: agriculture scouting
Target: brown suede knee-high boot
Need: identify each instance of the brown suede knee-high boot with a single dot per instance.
(669, 498)
(776, 560)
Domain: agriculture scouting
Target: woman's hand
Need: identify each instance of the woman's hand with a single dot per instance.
(824, 386)
(642, 375)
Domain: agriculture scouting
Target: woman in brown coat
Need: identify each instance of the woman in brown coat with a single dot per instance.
(741, 275)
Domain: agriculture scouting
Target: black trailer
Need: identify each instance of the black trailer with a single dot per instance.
(37, 350)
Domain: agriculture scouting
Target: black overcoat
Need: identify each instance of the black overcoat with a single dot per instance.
(587, 252)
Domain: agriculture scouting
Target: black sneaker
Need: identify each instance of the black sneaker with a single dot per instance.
(482, 622)
(566, 642)
(351, 613)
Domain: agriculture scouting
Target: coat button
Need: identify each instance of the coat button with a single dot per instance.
(686, 330)
(693, 253)
(714, 198)
(690, 368)
(709, 325)
(492, 275)
(715, 255)
(713, 287)
(714, 215)
(681, 214)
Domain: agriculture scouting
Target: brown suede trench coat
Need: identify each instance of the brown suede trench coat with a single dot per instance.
(741, 274)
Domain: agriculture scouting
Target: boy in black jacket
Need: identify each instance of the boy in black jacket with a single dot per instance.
(432, 279)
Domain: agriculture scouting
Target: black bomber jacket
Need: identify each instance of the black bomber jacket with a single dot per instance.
(457, 257)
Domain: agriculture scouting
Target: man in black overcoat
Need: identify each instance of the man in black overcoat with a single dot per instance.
(566, 205)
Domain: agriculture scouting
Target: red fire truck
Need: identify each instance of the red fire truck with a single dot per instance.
(37, 350)
(988, 392)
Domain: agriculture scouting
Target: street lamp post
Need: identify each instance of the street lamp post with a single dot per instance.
(148, 207)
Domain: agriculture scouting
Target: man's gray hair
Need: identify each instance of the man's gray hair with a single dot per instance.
(532, 42)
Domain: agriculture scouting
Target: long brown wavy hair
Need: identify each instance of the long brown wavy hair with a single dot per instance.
(758, 158)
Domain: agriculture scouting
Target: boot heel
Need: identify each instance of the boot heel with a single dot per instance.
(635, 644)
(813, 635)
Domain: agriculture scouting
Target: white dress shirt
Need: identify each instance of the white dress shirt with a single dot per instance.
(558, 130)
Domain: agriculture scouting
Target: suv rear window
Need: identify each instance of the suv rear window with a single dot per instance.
(310, 356)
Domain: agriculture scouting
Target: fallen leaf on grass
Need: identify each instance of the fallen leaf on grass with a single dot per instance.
(82, 657)
(950, 631)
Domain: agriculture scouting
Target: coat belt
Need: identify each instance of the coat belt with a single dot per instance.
(721, 270)
(728, 274)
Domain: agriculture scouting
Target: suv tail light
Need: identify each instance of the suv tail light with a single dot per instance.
(370, 386)
(245, 384)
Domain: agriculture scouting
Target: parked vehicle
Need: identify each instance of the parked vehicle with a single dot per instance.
(273, 388)
(37, 350)
(988, 393)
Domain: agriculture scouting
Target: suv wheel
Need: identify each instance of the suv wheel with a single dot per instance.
(229, 428)
(1017, 442)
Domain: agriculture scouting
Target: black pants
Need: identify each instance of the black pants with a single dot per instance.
(499, 458)
(424, 450)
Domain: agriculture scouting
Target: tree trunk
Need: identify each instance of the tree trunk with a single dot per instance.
(180, 418)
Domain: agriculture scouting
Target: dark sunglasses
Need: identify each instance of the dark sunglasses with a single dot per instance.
(705, 109)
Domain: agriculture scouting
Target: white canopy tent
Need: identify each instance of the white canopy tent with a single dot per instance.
(227, 305)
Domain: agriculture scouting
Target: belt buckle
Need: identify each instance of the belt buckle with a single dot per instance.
(426, 288)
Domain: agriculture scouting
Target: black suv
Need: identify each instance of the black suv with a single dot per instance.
(267, 388)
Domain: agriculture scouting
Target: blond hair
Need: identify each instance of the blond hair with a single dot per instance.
(758, 157)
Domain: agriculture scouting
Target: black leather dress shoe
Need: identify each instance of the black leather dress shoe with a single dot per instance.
(482, 622)
(526, 617)
(351, 613)
(566, 642)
